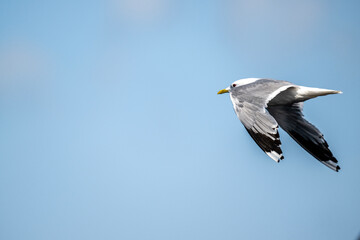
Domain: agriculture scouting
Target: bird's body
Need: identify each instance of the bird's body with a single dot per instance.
(264, 104)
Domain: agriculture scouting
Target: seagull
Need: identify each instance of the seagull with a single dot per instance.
(262, 105)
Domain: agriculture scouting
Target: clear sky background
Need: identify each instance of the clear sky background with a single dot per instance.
(110, 126)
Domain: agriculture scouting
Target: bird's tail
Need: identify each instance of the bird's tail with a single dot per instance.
(306, 93)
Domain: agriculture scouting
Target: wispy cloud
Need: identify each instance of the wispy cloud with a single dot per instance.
(288, 19)
(22, 65)
(264, 32)
(139, 11)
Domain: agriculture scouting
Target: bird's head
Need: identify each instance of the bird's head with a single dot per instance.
(238, 83)
(228, 89)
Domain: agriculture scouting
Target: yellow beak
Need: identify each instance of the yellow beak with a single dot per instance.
(223, 91)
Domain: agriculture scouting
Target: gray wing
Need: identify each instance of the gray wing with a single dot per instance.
(290, 118)
(261, 126)
(249, 103)
(262, 105)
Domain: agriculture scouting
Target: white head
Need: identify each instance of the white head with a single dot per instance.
(238, 83)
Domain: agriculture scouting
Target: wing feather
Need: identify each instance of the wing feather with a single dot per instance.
(262, 127)
(290, 118)
(265, 104)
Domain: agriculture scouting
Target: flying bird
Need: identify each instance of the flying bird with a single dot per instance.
(262, 105)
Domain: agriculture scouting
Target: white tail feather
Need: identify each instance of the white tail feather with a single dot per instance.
(305, 93)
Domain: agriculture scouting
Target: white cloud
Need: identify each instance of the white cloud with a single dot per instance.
(265, 33)
(21, 65)
(139, 11)
(287, 18)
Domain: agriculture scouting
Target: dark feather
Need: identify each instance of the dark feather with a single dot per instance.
(290, 118)
(266, 143)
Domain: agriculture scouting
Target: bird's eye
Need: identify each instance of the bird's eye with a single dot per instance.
(234, 85)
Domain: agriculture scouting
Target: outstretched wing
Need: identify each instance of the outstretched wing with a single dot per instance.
(290, 118)
(265, 103)
(261, 126)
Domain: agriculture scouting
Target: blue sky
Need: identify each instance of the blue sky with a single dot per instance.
(111, 127)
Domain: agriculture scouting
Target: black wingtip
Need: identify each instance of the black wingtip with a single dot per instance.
(337, 168)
